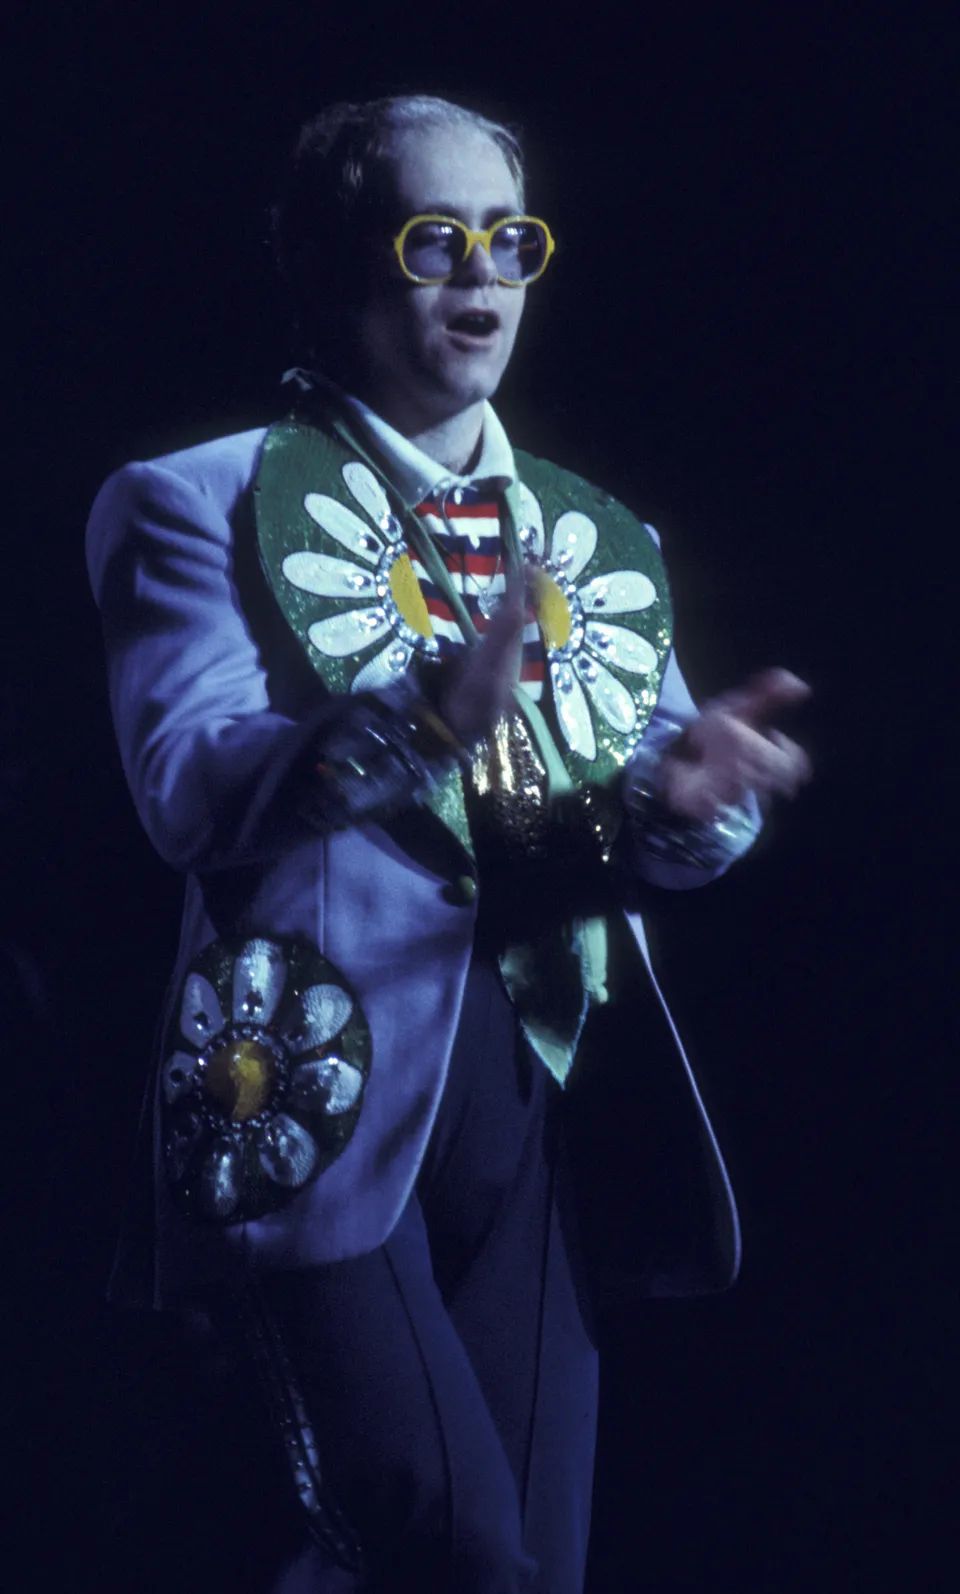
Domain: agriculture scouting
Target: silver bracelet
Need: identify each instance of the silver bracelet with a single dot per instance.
(381, 756)
(669, 836)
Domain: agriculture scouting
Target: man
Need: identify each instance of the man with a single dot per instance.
(403, 708)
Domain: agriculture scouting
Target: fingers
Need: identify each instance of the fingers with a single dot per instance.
(740, 758)
(759, 701)
(482, 689)
(739, 749)
(796, 768)
(771, 764)
(722, 758)
(507, 621)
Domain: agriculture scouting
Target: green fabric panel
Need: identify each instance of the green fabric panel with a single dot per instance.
(553, 979)
(573, 955)
(299, 458)
(623, 544)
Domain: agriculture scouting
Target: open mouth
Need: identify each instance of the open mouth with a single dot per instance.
(476, 324)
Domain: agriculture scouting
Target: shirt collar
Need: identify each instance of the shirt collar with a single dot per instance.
(414, 474)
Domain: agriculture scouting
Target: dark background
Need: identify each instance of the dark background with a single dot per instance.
(743, 336)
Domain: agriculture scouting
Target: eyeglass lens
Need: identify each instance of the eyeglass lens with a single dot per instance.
(437, 248)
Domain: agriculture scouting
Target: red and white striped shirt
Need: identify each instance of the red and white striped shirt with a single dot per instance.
(464, 523)
(463, 515)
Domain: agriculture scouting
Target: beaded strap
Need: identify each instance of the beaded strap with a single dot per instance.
(667, 835)
(289, 1417)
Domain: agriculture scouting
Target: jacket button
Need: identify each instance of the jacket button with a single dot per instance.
(460, 891)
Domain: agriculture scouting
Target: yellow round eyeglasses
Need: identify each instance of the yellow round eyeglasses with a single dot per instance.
(431, 249)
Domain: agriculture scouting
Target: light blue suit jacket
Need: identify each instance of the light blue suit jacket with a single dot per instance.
(212, 711)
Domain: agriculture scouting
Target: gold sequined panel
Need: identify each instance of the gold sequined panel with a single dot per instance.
(511, 819)
(507, 792)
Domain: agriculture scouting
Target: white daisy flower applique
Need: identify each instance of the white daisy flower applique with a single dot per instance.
(581, 642)
(388, 606)
(264, 1071)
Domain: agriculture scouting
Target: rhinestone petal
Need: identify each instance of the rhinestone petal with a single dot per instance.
(259, 976)
(328, 577)
(386, 666)
(531, 523)
(220, 1175)
(183, 1135)
(287, 1153)
(344, 527)
(201, 1016)
(573, 712)
(329, 1083)
(323, 1011)
(367, 491)
(573, 543)
(618, 592)
(347, 633)
(609, 695)
(178, 1074)
(622, 647)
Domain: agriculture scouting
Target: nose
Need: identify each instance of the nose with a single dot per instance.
(478, 268)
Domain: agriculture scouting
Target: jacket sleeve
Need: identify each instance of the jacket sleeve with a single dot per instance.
(677, 854)
(214, 768)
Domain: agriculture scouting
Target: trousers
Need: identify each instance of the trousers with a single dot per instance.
(450, 1376)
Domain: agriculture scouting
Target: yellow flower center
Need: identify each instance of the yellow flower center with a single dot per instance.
(553, 610)
(407, 596)
(240, 1077)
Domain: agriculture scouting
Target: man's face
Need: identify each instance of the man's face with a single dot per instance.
(421, 362)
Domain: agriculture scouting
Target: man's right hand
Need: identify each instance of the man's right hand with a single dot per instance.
(481, 688)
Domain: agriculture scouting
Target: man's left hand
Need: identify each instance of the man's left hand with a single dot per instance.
(732, 749)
